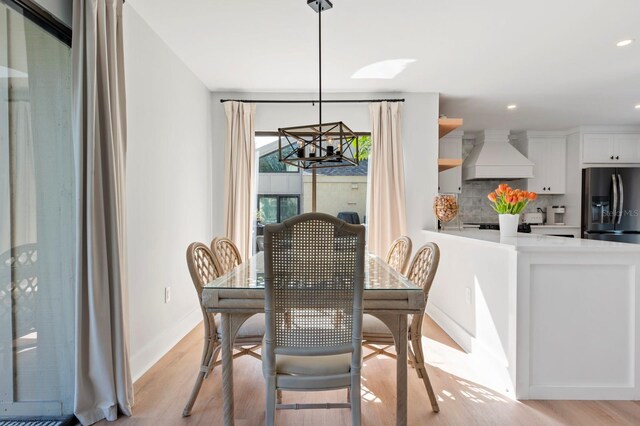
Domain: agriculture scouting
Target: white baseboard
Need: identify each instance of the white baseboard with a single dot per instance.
(151, 353)
(459, 335)
(488, 368)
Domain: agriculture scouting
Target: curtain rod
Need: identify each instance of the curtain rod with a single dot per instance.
(309, 101)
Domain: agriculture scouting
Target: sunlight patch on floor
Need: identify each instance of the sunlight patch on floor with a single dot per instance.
(462, 365)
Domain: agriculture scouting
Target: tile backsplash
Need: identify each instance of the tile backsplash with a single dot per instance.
(474, 205)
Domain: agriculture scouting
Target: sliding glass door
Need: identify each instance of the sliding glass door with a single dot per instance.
(37, 218)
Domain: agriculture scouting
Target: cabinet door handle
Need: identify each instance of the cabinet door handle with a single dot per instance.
(544, 188)
(612, 157)
(617, 157)
(549, 188)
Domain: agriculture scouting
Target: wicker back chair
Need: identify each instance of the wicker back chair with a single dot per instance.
(399, 254)
(314, 283)
(226, 254)
(203, 270)
(377, 337)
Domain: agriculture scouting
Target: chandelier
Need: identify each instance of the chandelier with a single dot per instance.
(318, 145)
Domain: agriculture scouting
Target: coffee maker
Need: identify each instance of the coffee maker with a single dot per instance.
(555, 215)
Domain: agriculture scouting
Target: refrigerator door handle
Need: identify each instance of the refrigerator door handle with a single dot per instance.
(621, 199)
(615, 198)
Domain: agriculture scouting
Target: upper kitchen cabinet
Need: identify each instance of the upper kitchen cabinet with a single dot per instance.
(450, 147)
(611, 148)
(548, 152)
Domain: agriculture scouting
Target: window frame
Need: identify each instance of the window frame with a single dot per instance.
(278, 197)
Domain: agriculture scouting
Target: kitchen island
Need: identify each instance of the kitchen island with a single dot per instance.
(544, 317)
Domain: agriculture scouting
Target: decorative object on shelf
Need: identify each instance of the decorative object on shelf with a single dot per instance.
(508, 203)
(445, 208)
(318, 145)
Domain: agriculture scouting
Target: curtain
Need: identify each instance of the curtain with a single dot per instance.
(103, 378)
(239, 174)
(387, 215)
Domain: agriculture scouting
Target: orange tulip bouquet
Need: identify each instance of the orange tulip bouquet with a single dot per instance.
(508, 203)
(507, 200)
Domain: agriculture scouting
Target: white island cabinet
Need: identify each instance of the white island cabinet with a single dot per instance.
(543, 317)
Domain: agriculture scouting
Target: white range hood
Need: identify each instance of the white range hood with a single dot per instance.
(493, 157)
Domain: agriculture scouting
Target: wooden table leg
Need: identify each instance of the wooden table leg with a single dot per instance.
(227, 369)
(401, 371)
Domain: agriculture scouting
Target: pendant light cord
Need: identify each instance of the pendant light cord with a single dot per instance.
(320, 64)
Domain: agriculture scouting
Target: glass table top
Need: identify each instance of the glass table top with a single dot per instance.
(250, 275)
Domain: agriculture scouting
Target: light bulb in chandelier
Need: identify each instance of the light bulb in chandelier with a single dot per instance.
(300, 150)
(329, 145)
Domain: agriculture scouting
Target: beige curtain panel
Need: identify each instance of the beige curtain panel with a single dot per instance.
(239, 174)
(387, 214)
(103, 379)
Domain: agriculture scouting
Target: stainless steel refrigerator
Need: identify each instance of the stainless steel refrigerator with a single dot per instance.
(611, 204)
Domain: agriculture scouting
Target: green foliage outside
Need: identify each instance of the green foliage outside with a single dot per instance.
(364, 147)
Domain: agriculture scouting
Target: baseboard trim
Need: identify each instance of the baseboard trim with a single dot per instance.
(462, 337)
(164, 341)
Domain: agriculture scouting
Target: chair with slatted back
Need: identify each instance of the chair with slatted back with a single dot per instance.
(314, 284)
(226, 254)
(397, 258)
(375, 334)
(249, 338)
(399, 254)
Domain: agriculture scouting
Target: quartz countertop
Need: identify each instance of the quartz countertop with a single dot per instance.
(534, 242)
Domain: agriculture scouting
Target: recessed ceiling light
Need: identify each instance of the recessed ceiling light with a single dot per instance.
(512, 106)
(623, 43)
(385, 70)
(638, 106)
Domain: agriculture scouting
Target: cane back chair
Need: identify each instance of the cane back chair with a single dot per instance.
(203, 270)
(314, 283)
(399, 254)
(377, 337)
(225, 254)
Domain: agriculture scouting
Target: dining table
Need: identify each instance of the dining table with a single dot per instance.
(239, 294)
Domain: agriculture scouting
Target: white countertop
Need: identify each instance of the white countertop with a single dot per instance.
(535, 242)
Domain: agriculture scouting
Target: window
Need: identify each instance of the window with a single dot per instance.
(270, 163)
(340, 189)
(37, 215)
(276, 208)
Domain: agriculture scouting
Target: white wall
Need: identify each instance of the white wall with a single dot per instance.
(419, 135)
(168, 189)
(61, 9)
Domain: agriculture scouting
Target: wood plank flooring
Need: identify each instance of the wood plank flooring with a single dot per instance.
(161, 393)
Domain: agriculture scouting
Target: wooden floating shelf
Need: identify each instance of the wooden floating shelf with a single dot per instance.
(447, 125)
(448, 163)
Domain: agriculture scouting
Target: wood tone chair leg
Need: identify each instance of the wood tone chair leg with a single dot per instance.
(209, 353)
(279, 396)
(412, 361)
(214, 360)
(416, 343)
(356, 409)
(270, 408)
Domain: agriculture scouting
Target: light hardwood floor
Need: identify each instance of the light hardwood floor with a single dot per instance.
(161, 393)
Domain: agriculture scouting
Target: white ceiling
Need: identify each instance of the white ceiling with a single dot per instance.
(555, 59)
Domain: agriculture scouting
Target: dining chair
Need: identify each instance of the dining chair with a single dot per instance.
(377, 337)
(399, 254)
(203, 270)
(225, 254)
(314, 283)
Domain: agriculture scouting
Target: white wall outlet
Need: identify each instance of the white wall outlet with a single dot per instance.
(467, 295)
(167, 294)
